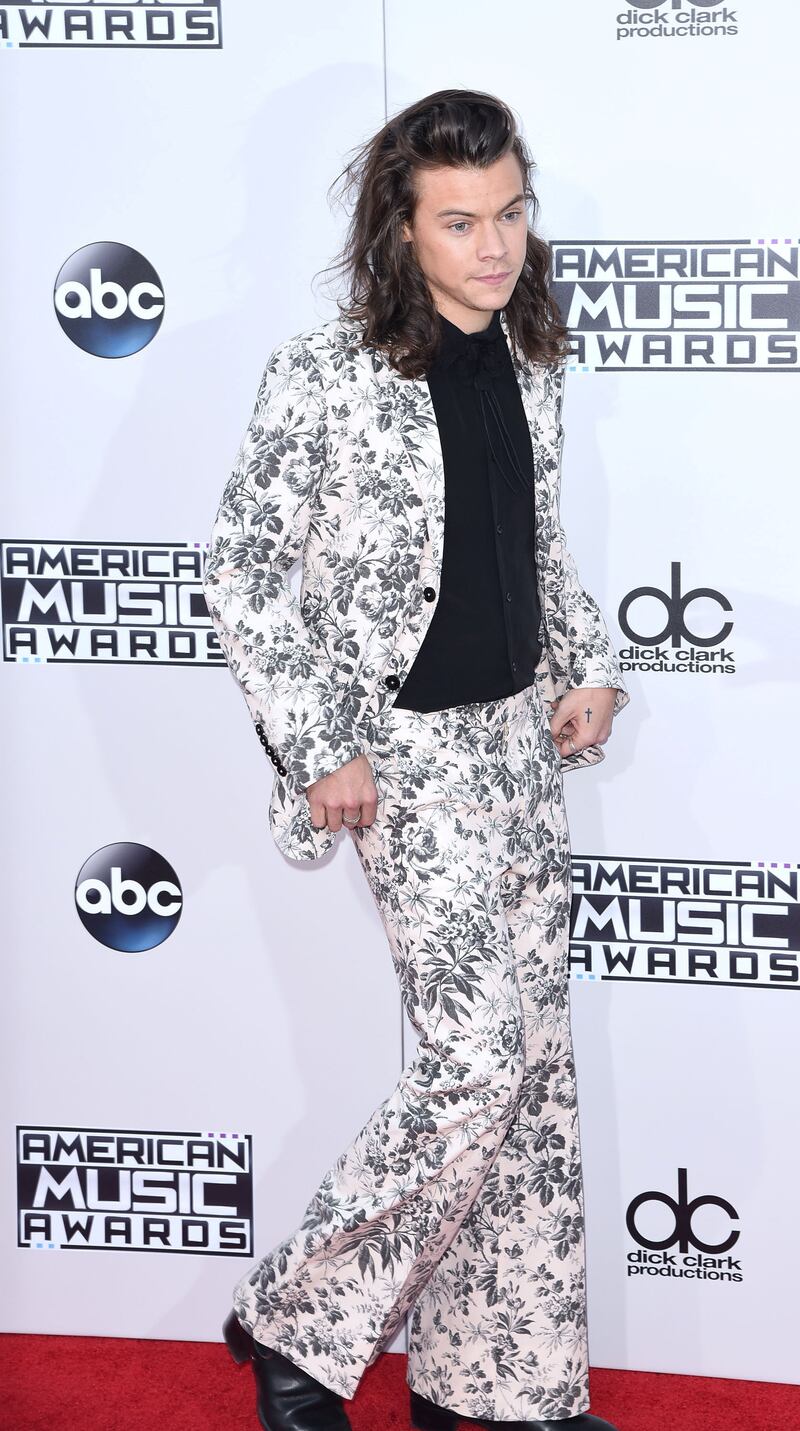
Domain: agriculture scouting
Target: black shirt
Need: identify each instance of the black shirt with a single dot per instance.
(483, 639)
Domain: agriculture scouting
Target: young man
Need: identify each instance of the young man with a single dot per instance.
(441, 669)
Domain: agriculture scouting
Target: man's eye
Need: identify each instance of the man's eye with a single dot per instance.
(461, 224)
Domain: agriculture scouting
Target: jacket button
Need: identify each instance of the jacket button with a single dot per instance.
(392, 682)
(429, 593)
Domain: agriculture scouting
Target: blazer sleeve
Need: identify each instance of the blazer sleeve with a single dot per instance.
(289, 683)
(593, 659)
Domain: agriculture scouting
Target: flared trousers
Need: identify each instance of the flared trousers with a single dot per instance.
(460, 1201)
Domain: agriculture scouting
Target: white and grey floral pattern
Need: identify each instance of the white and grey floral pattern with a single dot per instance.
(341, 465)
(460, 1200)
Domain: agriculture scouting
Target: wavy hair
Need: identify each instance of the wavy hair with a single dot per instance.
(388, 294)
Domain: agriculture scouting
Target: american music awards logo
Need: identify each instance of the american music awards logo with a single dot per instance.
(680, 305)
(130, 603)
(134, 1190)
(676, 19)
(103, 24)
(716, 923)
(676, 630)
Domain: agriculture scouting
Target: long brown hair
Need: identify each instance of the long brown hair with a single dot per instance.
(388, 294)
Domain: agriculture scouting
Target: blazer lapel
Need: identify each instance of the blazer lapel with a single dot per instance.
(407, 409)
(409, 414)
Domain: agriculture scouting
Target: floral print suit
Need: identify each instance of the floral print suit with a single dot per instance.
(460, 1201)
(341, 464)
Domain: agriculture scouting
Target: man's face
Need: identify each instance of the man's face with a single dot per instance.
(470, 223)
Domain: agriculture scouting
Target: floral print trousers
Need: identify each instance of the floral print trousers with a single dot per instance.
(460, 1201)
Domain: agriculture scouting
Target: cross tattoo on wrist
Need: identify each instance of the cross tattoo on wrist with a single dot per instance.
(588, 714)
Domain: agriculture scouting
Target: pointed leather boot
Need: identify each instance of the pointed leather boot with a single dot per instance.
(289, 1398)
(427, 1416)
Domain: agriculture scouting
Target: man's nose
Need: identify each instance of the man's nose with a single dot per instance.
(493, 245)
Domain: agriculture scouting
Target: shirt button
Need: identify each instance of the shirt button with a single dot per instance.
(499, 528)
(391, 682)
(508, 596)
(429, 593)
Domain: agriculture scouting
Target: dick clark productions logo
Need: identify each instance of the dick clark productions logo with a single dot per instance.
(707, 1262)
(672, 641)
(683, 18)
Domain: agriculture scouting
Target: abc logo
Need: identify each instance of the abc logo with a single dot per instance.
(128, 897)
(683, 1211)
(109, 300)
(675, 604)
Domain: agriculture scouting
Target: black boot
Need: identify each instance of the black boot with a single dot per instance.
(427, 1416)
(289, 1398)
(584, 1421)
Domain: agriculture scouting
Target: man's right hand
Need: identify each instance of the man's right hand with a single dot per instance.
(344, 792)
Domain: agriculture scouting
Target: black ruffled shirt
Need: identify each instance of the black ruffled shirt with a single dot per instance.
(483, 641)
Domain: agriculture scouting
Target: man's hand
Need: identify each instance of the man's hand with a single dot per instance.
(349, 791)
(582, 717)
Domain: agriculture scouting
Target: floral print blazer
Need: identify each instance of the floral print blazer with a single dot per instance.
(341, 464)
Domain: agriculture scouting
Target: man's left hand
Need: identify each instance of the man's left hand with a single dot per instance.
(583, 716)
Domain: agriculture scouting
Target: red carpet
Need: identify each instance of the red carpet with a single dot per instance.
(113, 1384)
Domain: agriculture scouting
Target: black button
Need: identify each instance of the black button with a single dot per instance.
(281, 769)
(392, 682)
(259, 728)
(508, 596)
(429, 593)
(513, 665)
(499, 528)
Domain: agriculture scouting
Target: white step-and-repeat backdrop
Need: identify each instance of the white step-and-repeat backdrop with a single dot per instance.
(194, 1026)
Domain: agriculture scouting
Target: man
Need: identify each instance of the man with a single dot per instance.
(427, 690)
